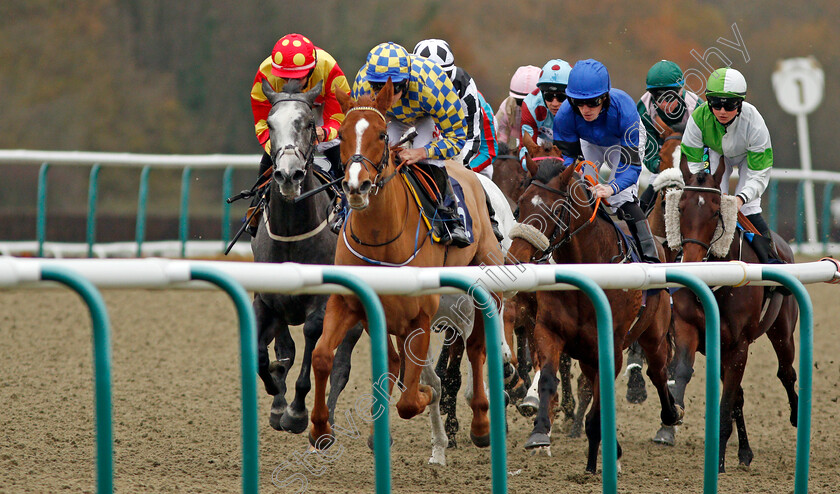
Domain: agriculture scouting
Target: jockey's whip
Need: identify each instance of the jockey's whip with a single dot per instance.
(245, 194)
(245, 223)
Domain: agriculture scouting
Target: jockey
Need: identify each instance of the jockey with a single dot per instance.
(667, 98)
(539, 107)
(509, 115)
(602, 125)
(480, 148)
(424, 98)
(295, 57)
(729, 126)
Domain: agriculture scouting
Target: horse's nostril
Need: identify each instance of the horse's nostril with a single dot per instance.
(365, 187)
(297, 176)
(281, 175)
(345, 187)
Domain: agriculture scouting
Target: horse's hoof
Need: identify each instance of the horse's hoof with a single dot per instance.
(438, 456)
(276, 415)
(529, 406)
(517, 393)
(480, 441)
(667, 435)
(541, 451)
(636, 392)
(745, 457)
(453, 443)
(323, 443)
(370, 441)
(293, 422)
(538, 440)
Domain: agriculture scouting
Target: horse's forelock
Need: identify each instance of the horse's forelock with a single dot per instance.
(548, 169)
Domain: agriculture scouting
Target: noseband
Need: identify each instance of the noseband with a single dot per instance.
(364, 160)
(293, 149)
(706, 246)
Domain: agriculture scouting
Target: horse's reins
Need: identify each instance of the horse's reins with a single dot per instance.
(706, 246)
(363, 160)
(568, 236)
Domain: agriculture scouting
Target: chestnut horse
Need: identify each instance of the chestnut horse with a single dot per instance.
(705, 226)
(380, 229)
(560, 216)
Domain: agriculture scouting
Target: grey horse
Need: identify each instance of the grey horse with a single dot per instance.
(292, 231)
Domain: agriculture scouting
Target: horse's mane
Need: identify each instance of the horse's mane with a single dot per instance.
(548, 169)
(293, 86)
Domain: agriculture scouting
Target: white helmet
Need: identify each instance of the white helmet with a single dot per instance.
(438, 51)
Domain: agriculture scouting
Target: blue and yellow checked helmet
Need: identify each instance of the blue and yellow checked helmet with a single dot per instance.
(388, 60)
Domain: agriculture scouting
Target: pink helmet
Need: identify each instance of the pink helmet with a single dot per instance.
(524, 81)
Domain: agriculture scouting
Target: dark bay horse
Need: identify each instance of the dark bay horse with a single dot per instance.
(559, 212)
(509, 175)
(380, 229)
(293, 232)
(705, 221)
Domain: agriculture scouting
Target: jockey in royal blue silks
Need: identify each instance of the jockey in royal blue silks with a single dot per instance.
(601, 125)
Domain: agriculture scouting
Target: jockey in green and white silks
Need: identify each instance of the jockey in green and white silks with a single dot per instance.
(732, 128)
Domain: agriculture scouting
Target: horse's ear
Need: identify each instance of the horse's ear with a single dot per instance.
(530, 145)
(269, 92)
(686, 172)
(567, 173)
(531, 165)
(719, 172)
(313, 93)
(384, 97)
(345, 101)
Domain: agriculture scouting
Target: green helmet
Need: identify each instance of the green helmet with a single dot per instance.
(664, 73)
(726, 83)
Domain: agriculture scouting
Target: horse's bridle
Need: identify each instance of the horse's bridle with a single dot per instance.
(706, 246)
(363, 160)
(293, 149)
(552, 245)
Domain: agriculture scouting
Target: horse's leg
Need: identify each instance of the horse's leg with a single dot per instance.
(442, 366)
(732, 366)
(338, 319)
(296, 416)
(567, 403)
(656, 346)
(745, 454)
(516, 385)
(549, 347)
(439, 433)
(416, 396)
(584, 399)
(781, 336)
(265, 334)
(686, 342)
(452, 385)
(394, 366)
(593, 421)
(636, 392)
(341, 367)
(477, 354)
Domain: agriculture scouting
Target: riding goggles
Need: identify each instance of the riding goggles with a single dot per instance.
(398, 87)
(728, 104)
(548, 97)
(663, 94)
(589, 102)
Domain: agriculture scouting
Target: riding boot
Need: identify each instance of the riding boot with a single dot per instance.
(647, 200)
(333, 155)
(645, 241)
(639, 227)
(495, 224)
(339, 214)
(448, 225)
(254, 223)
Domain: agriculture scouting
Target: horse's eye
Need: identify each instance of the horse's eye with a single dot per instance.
(340, 136)
(382, 136)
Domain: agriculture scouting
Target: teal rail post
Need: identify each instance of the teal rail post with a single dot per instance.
(772, 204)
(248, 363)
(184, 218)
(379, 366)
(142, 196)
(806, 365)
(41, 220)
(606, 374)
(227, 191)
(101, 370)
(800, 214)
(826, 215)
(93, 189)
(712, 313)
(493, 339)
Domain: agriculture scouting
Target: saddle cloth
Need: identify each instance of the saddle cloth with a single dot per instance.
(424, 187)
